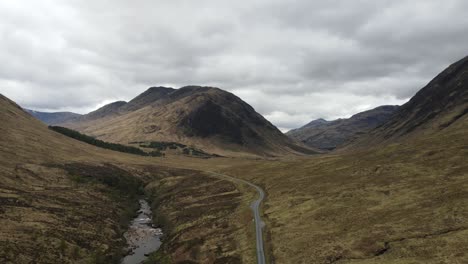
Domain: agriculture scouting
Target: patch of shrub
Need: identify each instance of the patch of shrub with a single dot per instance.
(160, 145)
(102, 144)
(110, 175)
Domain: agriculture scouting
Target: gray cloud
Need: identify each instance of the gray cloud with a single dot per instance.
(293, 61)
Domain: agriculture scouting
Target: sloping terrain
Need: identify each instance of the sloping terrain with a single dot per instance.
(404, 201)
(46, 216)
(53, 118)
(208, 118)
(328, 135)
(437, 106)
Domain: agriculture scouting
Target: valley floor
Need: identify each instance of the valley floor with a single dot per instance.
(403, 203)
(399, 204)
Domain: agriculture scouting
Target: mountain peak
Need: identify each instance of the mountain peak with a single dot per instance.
(107, 110)
(316, 122)
(442, 102)
(159, 89)
(150, 96)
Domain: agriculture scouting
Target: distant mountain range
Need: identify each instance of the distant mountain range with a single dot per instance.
(205, 117)
(53, 118)
(220, 122)
(328, 135)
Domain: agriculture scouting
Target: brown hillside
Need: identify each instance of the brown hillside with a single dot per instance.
(208, 118)
(64, 201)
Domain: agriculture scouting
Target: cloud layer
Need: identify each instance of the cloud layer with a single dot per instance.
(294, 61)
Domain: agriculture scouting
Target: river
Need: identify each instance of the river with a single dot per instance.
(141, 236)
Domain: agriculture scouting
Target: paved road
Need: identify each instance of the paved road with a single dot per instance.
(255, 205)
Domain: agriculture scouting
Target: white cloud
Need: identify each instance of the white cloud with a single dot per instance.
(292, 60)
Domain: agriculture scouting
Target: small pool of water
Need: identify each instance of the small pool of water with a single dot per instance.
(141, 236)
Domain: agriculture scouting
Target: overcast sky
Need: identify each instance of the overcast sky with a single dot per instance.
(293, 60)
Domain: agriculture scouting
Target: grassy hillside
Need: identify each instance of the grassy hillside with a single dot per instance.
(206, 219)
(401, 199)
(207, 118)
(403, 203)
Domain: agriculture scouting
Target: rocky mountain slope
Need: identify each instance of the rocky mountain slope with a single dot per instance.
(328, 135)
(439, 105)
(208, 118)
(53, 118)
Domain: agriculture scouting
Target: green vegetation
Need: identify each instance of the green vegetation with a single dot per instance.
(112, 176)
(158, 257)
(186, 150)
(159, 145)
(201, 153)
(102, 144)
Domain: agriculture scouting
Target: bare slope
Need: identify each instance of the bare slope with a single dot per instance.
(209, 118)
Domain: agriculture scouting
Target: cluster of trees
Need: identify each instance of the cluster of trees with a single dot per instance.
(162, 145)
(186, 150)
(102, 144)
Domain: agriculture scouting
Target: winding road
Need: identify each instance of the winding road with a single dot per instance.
(255, 205)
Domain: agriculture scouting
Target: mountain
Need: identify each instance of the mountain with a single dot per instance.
(316, 123)
(111, 109)
(206, 117)
(328, 135)
(441, 104)
(53, 118)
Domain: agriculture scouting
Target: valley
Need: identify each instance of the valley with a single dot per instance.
(231, 188)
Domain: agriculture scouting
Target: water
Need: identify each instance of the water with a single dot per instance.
(141, 236)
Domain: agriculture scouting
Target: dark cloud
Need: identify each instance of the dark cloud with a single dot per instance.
(292, 60)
